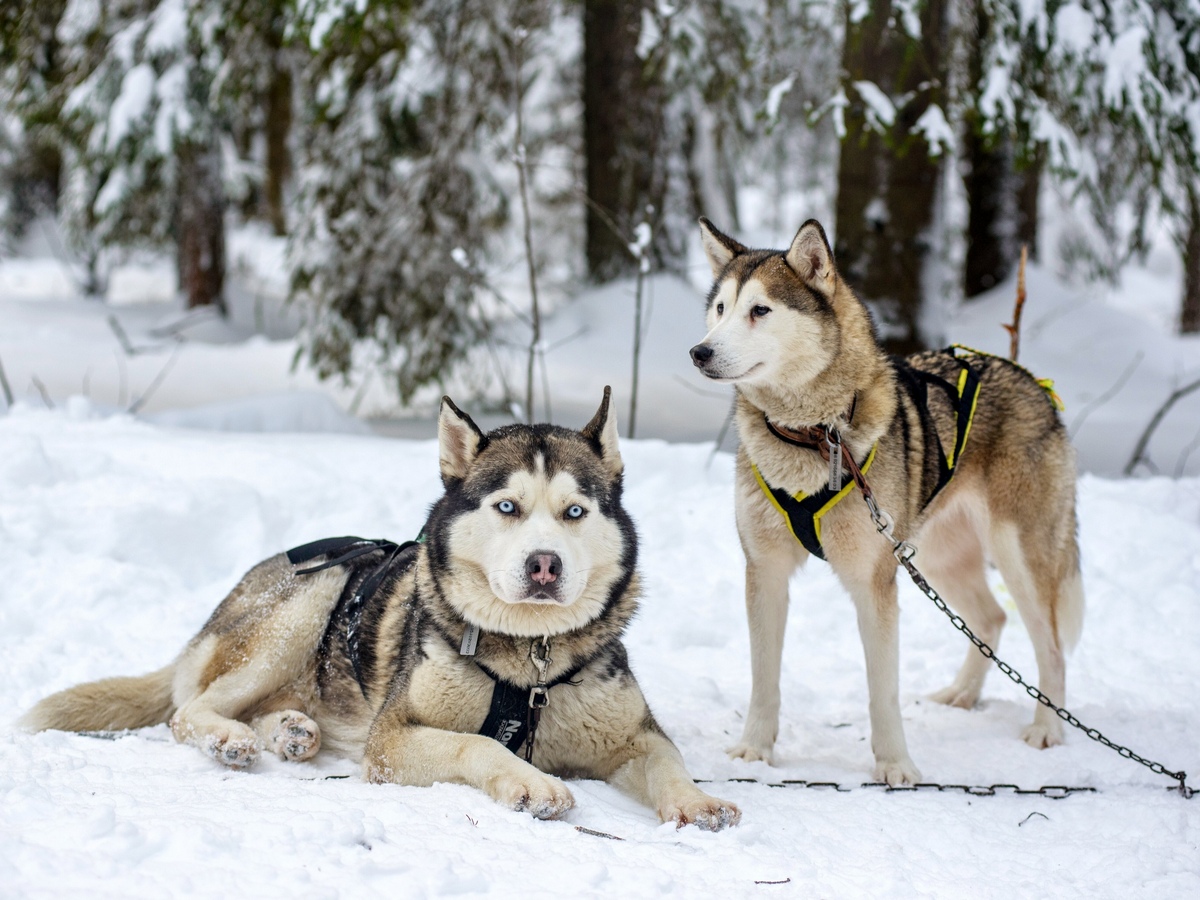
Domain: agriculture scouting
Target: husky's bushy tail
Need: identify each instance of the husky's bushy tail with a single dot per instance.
(111, 704)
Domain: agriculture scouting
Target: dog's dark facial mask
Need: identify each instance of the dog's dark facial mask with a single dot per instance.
(530, 537)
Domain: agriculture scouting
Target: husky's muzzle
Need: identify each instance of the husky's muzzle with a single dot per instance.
(542, 571)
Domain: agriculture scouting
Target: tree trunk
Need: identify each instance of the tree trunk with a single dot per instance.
(1189, 320)
(887, 188)
(278, 126)
(623, 131)
(201, 225)
(1028, 179)
(991, 227)
(989, 183)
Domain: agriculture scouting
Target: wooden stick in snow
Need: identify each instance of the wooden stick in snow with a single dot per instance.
(1014, 330)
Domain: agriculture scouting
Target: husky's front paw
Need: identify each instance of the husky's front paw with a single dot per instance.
(1041, 735)
(542, 796)
(753, 753)
(703, 811)
(897, 773)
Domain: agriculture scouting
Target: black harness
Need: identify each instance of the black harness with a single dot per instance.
(963, 395)
(510, 719)
(352, 603)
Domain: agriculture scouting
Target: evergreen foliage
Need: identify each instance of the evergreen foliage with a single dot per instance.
(411, 108)
(380, 137)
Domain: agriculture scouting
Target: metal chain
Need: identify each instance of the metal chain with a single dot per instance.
(539, 694)
(904, 552)
(1053, 791)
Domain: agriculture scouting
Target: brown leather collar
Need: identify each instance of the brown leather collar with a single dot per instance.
(814, 437)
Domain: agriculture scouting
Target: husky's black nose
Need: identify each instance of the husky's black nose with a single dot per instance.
(701, 354)
(543, 566)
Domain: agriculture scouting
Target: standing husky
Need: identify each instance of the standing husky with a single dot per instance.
(964, 450)
(428, 660)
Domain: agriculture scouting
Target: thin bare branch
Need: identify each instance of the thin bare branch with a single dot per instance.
(122, 336)
(1115, 389)
(642, 266)
(535, 337)
(1014, 330)
(606, 217)
(41, 389)
(154, 385)
(360, 393)
(8, 394)
(1185, 454)
(577, 333)
(1139, 450)
(717, 395)
(724, 430)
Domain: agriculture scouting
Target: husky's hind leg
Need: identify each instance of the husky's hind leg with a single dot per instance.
(253, 652)
(208, 720)
(956, 567)
(225, 681)
(1044, 581)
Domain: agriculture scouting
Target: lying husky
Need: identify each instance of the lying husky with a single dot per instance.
(964, 450)
(431, 661)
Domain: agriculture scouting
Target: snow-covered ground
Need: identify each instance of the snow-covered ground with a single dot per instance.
(117, 538)
(120, 531)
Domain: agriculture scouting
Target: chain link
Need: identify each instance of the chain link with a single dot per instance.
(1053, 791)
(904, 553)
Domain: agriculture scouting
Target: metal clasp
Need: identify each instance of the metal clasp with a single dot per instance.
(833, 441)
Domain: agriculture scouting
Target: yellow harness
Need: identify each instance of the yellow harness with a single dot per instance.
(803, 512)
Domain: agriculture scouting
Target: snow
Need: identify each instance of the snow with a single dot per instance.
(137, 89)
(118, 538)
(775, 96)
(120, 533)
(880, 111)
(935, 129)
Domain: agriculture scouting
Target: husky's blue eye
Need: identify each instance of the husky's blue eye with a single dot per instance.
(575, 512)
(507, 507)
(759, 311)
(720, 308)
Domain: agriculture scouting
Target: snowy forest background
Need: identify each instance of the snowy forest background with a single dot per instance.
(220, 218)
(436, 176)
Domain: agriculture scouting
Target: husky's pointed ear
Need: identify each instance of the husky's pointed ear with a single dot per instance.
(459, 442)
(601, 433)
(811, 259)
(719, 248)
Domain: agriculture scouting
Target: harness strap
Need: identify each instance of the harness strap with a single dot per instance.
(963, 395)
(349, 548)
(803, 512)
(351, 605)
(510, 719)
